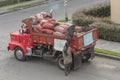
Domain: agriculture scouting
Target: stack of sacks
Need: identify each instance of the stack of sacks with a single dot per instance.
(60, 30)
(42, 22)
(41, 16)
(78, 29)
(45, 16)
(38, 28)
(45, 23)
(33, 18)
(52, 21)
(44, 27)
(48, 28)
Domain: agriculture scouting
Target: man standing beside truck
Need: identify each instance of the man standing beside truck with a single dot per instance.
(67, 59)
(67, 55)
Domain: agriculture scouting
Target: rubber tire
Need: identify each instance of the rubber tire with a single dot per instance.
(15, 54)
(88, 55)
(60, 57)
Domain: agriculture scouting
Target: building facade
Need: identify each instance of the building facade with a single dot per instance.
(115, 11)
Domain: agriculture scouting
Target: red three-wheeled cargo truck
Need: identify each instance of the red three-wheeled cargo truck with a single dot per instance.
(39, 37)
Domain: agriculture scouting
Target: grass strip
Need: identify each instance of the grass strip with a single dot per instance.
(107, 52)
(63, 20)
(27, 5)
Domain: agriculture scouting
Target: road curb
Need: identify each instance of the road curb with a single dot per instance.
(107, 56)
(8, 11)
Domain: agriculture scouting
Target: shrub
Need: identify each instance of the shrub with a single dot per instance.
(98, 11)
(10, 2)
(5, 3)
(98, 17)
(82, 20)
(107, 31)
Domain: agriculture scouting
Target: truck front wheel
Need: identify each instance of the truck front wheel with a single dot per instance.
(19, 54)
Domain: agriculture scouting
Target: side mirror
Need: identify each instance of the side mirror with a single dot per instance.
(21, 31)
(23, 26)
(51, 12)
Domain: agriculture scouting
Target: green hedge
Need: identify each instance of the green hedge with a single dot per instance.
(107, 31)
(98, 16)
(99, 11)
(82, 20)
(10, 2)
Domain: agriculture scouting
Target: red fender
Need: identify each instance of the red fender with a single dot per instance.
(13, 45)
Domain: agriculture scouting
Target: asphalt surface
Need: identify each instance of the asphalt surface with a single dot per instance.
(38, 69)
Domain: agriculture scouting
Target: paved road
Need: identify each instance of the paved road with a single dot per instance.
(12, 21)
(38, 69)
(11, 69)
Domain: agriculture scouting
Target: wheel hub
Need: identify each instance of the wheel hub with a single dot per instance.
(19, 54)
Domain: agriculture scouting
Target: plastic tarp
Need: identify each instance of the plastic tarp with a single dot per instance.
(88, 39)
(59, 44)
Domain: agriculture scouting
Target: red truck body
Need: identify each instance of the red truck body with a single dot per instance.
(32, 43)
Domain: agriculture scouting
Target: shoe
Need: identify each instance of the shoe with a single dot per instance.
(69, 72)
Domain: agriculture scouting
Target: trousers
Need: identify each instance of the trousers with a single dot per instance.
(67, 68)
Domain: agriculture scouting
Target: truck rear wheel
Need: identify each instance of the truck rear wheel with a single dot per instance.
(60, 62)
(89, 54)
(87, 57)
(19, 54)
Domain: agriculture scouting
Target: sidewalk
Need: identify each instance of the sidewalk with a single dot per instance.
(108, 45)
(101, 44)
(5, 9)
